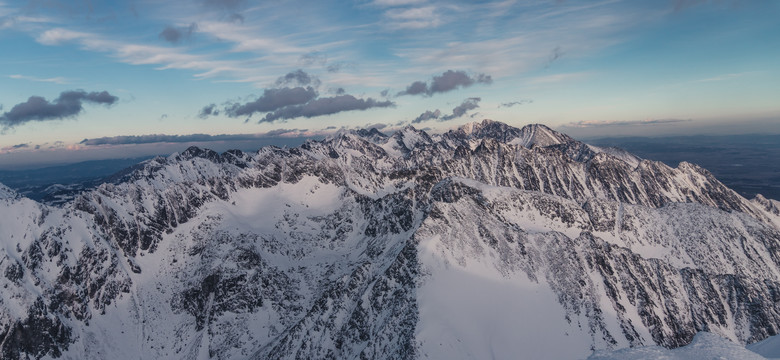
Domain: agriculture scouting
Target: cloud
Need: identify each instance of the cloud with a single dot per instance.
(325, 106)
(513, 103)
(312, 58)
(282, 132)
(58, 36)
(414, 18)
(208, 110)
(375, 126)
(298, 77)
(463, 108)
(447, 81)
(593, 124)
(458, 111)
(163, 138)
(417, 87)
(173, 34)
(159, 138)
(555, 54)
(273, 99)
(338, 66)
(7, 149)
(55, 80)
(427, 115)
(68, 104)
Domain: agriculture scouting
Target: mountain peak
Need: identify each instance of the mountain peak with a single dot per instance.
(527, 136)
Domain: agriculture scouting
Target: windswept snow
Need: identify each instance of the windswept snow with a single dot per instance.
(704, 346)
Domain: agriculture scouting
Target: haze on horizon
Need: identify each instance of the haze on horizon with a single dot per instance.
(97, 79)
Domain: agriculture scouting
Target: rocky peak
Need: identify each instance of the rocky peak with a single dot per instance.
(373, 134)
(541, 135)
(527, 136)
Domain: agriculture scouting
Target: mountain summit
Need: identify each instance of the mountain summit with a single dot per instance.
(485, 241)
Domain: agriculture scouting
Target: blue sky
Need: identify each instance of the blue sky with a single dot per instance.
(115, 72)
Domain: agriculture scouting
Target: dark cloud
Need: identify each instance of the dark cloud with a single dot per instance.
(282, 103)
(463, 108)
(20, 146)
(298, 77)
(417, 87)
(451, 80)
(273, 99)
(312, 58)
(208, 110)
(447, 81)
(555, 54)
(68, 104)
(173, 34)
(384, 93)
(513, 103)
(427, 115)
(458, 111)
(325, 106)
(338, 66)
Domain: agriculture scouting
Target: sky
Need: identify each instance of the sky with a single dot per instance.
(90, 79)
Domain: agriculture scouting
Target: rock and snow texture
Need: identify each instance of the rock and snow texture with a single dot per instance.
(7, 193)
(486, 241)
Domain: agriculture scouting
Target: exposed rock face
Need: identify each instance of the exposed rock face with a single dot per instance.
(404, 246)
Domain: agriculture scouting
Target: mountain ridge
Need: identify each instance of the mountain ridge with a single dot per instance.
(377, 224)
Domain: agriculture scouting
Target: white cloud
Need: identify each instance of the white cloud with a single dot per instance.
(58, 36)
(574, 30)
(413, 18)
(55, 80)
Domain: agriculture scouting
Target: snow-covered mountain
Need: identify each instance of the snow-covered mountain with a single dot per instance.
(486, 241)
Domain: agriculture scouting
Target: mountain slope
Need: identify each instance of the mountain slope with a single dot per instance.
(404, 246)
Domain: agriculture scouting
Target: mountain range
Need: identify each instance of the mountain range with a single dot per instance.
(488, 241)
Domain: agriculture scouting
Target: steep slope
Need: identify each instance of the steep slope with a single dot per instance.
(475, 243)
